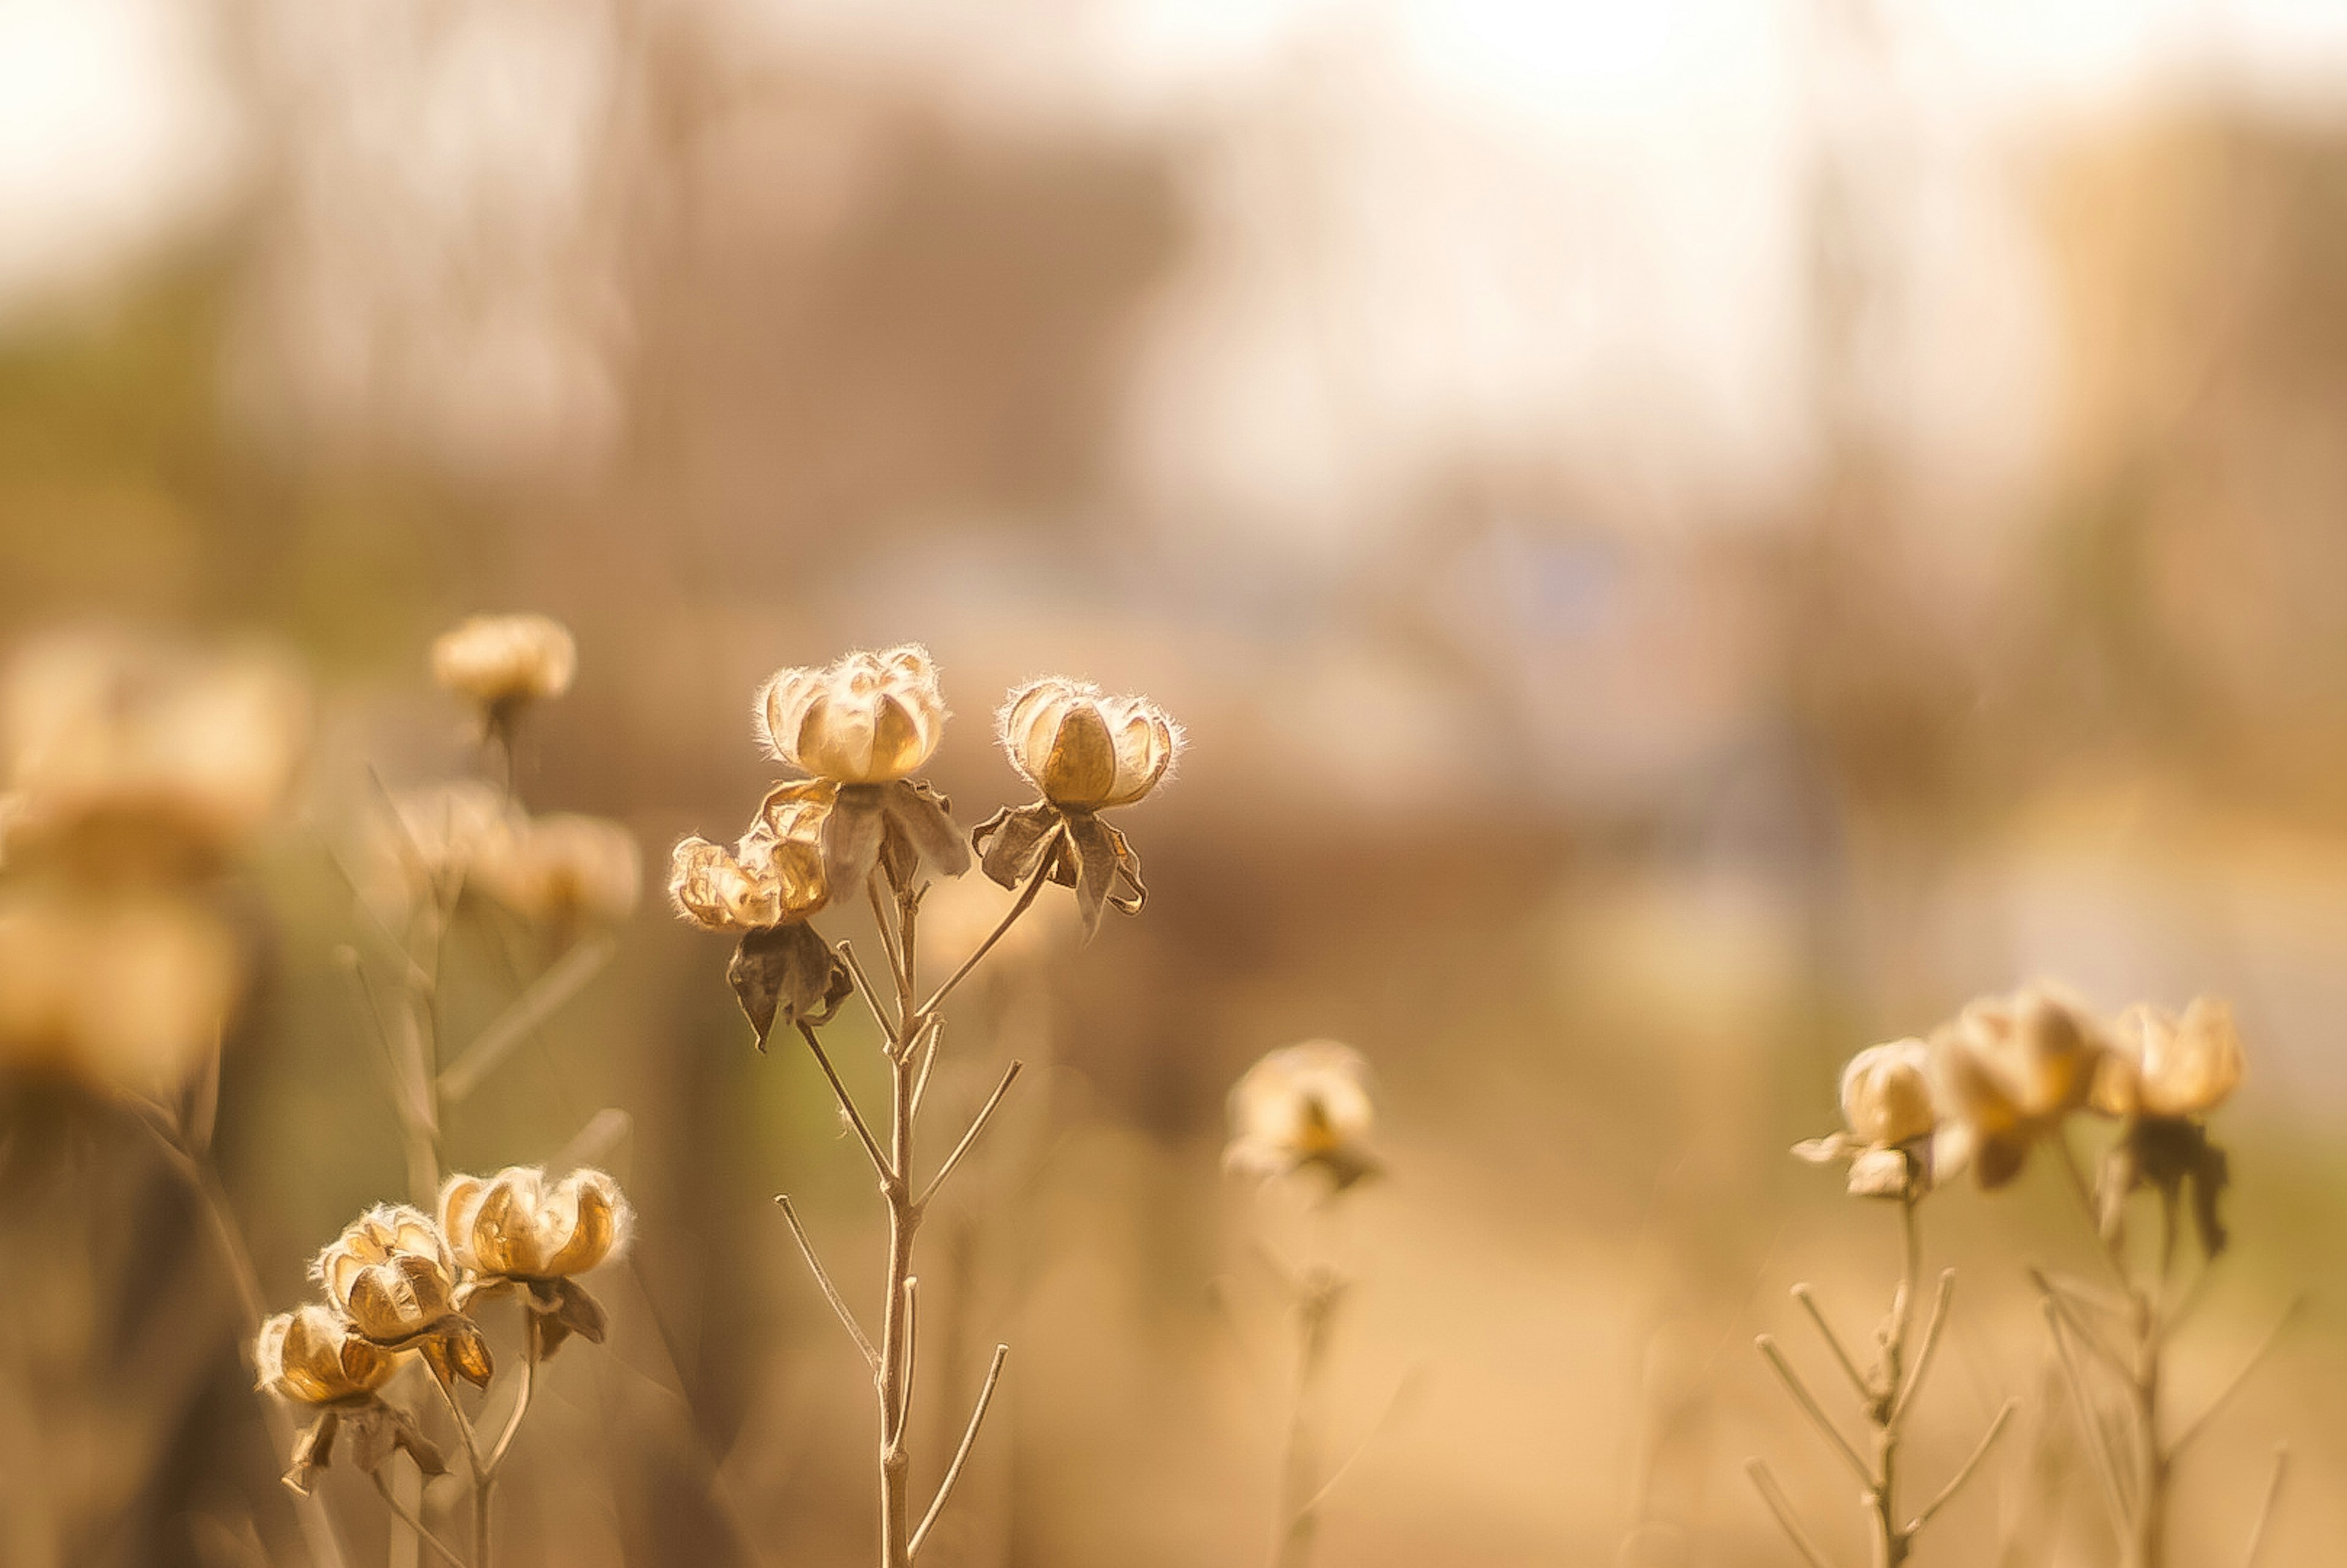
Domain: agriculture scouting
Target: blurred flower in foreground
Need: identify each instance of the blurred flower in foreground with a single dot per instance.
(1304, 1105)
(502, 664)
(312, 1359)
(391, 1274)
(517, 1229)
(562, 869)
(2005, 1072)
(765, 888)
(866, 723)
(141, 757)
(1887, 1108)
(127, 989)
(1085, 754)
(2162, 1076)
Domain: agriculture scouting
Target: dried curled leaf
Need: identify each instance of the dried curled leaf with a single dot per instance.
(372, 1431)
(1084, 853)
(786, 972)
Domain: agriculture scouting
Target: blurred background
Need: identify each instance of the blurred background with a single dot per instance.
(1689, 538)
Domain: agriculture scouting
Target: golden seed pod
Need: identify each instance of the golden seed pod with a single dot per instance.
(561, 868)
(775, 873)
(115, 744)
(1303, 1104)
(2005, 1071)
(519, 1224)
(125, 989)
(1084, 751)
(1886, 1093)
(312, 1357)
(390, 1274)
(2163, 1065)
(869, 718)
(501, 661)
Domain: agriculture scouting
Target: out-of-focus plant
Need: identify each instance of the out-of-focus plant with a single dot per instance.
(137, 774)
(567, 877)
(1301, 1118)
(861, 822)
(1890, 1126)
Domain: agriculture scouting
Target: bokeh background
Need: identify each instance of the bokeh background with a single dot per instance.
(1688, 538)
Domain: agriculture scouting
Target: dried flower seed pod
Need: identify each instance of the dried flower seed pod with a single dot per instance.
(2005, 1072)
(312, 1359)
(864, 719)
(562, 869)
(391, 1274)
(1303, 1106)
(516, 1229)
(2163, 1065)
(503, 663)
(1085, 751)
(1890, 1114)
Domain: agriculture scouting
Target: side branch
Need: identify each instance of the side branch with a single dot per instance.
(1810, 1407)
(1035, 881)
(1931, 1342)
(1781, 1506)
(2090, 1425)
(847, 1105)
(1964, 1472)
(961, 1454)
(1809, 1300)
(2199, 1423)
(985, 1115)
(2266, 1508)
(823, 1280)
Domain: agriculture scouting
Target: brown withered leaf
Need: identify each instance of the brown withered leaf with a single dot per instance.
(921, 825)
(313, 1450)
(786, 972)
(1012, 842)
(852, 836)
(560, 1309)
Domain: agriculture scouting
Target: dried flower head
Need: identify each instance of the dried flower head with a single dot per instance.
(864, 719)
(517, 1229)
(145, 757)
(775, 875)
(127, 989)
(1084, 751)
(519, 1225)
(2166, 1066)
(391, 1274)
(562, 869)
(1890, 1117)
(1304, 1106)
(502, 662)
(2005, 1072)
(312, 1359)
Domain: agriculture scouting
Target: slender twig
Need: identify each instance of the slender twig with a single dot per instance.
(977, 1125)
(1809, 1300)
(1931, 1327)
(912, 1346)
(565, 980)
(1765, 1483)
(855, 967)
(847, 1105)
(408, 1516)
(1811, 1408)
(961, 1454)
(891, 946)
(2089, 1422)
(1376, 1429)
(933, 1031)
(2112, 1253)
(1964, 1472)
(2193, 1428)
(2061, 1302)
(521, 1397)
(830, 1291)
(1035, 881)
(2266, 1507)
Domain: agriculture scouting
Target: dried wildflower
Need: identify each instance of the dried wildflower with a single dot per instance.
(765, 887)
(127, 989)
(866, 724)
(517, 1230)
(504, 662)
(1085, 754)
(1304, 1105)
(2005, 1072)
(2162, 1076)
(312, 1359)
(391, 1274)
(1888, 1111)
(144, 757)
(560, 869)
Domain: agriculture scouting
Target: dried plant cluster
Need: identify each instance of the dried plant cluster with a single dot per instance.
(861, 825)
(2006, 1077)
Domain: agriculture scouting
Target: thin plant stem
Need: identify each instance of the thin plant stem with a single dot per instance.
(1809, 1300)
(978, 1124)
(881, 1162)
(1964, 1472)
(1035, 881)
(2265, 1506)
(408, 1516)
(2198, 1424)
(2089, 1424)
(961, 1454)
(1765, 1482)
(830, 1292)
(1321, 1290)
(1811, 1408)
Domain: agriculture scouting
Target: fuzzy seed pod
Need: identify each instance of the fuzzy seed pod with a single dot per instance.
(390, 1274)
(1303, 1105)
(2166, 1066)
(521, 1224)
(562, 869)
(868, 718)
(1085, 751)
(500, 662)
(313, 1358)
